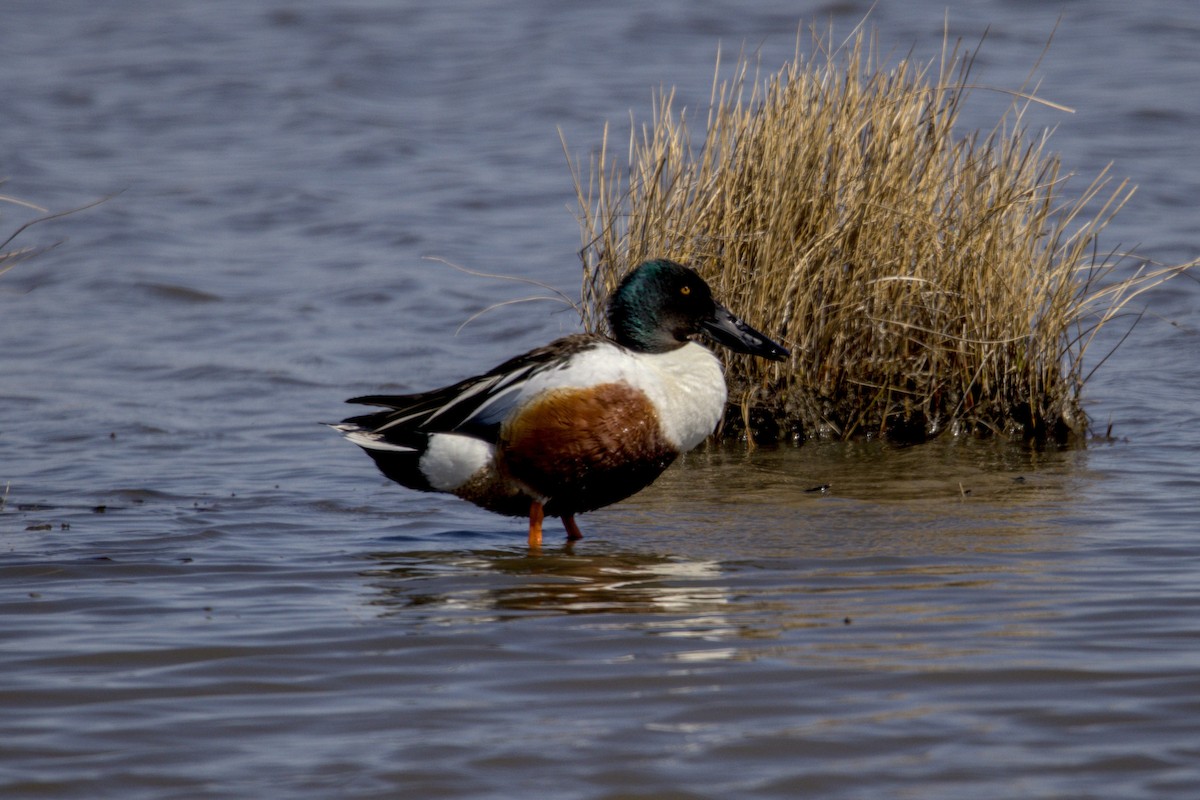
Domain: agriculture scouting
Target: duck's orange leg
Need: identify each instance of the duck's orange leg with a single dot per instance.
(573, 532)
(536, 515)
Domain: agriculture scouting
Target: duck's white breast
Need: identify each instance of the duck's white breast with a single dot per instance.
(693, 393)
(685, 385)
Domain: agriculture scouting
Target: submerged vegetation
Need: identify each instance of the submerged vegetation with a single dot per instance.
(925, 281)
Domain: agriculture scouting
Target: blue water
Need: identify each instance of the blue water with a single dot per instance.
(205, 594)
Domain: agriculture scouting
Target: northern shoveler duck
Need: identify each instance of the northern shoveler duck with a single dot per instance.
(579, 424)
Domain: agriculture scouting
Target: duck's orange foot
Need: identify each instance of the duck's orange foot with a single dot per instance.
(573, 532)
(536, 515)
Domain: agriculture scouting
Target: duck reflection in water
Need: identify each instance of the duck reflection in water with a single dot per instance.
(489, 585)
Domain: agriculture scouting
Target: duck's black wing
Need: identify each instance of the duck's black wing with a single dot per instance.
(475, 407)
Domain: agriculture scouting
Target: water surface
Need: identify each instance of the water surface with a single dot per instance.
(205, 594)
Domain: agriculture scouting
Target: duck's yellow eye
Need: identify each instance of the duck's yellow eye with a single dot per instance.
(685, 290)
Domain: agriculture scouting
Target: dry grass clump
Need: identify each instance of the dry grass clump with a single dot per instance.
(925, 281)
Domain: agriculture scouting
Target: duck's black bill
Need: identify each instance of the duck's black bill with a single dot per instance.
(728, 330)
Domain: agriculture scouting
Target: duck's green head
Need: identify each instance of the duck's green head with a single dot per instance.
(660, 304)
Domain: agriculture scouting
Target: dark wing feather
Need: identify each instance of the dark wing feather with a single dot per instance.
(475, 407)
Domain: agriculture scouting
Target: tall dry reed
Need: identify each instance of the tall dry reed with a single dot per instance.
(925, 281)
(11, 256)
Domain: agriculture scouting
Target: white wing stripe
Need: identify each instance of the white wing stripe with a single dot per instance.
(373, 441)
